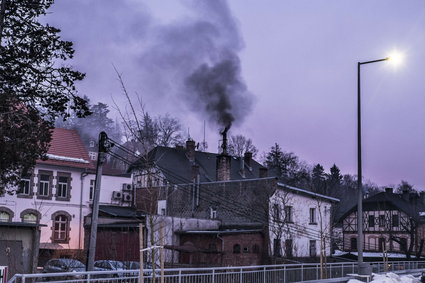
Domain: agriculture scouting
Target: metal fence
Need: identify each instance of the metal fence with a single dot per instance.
(284, 273)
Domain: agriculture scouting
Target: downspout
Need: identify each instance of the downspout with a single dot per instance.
(83, 174)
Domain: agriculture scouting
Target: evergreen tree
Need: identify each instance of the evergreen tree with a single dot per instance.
(36, 85)
(318, 179)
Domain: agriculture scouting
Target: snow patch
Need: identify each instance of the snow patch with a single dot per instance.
(389, 278)
(66, 158)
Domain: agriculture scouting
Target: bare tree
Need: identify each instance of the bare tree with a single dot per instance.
(239, 144)
(169, 131)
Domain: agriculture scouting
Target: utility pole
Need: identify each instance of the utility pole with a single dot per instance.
(103, 147)
(141, 279)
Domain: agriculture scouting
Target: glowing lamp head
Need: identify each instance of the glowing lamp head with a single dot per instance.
(396, 58)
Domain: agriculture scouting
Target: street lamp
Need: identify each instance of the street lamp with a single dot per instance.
(364, 268)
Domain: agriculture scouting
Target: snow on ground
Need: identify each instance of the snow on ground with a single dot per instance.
(371, 254)
(389, 278)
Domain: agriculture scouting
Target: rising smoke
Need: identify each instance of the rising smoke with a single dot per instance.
(197, 60)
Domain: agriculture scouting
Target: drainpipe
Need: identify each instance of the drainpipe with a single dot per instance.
(83, 174)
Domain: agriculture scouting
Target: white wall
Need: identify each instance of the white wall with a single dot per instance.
(301, 231)
(77, 206)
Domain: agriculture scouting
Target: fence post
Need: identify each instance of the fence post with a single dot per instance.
(284, 273)
(88, 277)
(302, 272)
(264, 275)
(213, 276)
(180, 276)
(240, 275)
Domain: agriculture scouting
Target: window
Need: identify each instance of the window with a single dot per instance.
(236, 249)
(245, 250)
(381, 244)
(62, 191)
(25, 185)
(92, 144)
(30, 216)
(63, 186)
(288, 248)
(395, 220)
(61, 220)
(371, 221)
(313, 216)
(313, 248)
(381, 220)
(91, 193)
(353, 244)
(6, 214)
(288, 214)
(93, 155)
(44, 185)
(276, 212)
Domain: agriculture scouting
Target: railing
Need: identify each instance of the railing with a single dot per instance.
(284, 273)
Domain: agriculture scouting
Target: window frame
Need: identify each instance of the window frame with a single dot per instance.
(7, 211)
(30, 178)
(313, 216)
(288, 214)
(30, 211)
(59, 186)
(48, 183)
(61, 218)
(313, 248)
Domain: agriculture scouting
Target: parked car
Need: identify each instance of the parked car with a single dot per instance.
(63, 265)
(132, 265)
(106, 265)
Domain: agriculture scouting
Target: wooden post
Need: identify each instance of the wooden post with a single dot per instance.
(161, 232)
(141, 252)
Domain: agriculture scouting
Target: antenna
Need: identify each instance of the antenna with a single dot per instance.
(204, 144)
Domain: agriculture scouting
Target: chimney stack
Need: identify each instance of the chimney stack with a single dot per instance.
(223, 167)
(405, 195)
(190, 150)
(389, 190)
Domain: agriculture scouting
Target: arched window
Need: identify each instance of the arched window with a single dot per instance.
(236, 249)
(61, 227)
(6, 214)
(30, 216)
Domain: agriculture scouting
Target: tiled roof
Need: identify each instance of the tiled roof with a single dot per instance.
(67, 149)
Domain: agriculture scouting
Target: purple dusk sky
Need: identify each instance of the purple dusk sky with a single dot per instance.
(298, 65)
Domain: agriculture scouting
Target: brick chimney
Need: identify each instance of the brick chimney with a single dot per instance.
(223, 167)
(190, 150)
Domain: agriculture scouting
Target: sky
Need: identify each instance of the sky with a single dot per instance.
(292, 66)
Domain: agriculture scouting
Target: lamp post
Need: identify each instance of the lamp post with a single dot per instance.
(363, 268)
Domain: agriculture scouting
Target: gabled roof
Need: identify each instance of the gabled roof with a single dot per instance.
(391, 201)
(177, 168)
(67, 149)
(307, 193)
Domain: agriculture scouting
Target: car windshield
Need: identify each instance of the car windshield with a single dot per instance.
(117, 264)
(72, 263)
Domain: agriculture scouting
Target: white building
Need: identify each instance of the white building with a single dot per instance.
(299, 222)
(58, 194)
